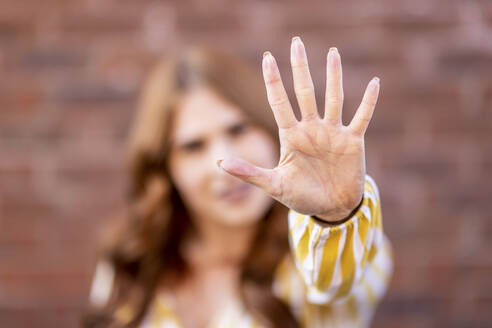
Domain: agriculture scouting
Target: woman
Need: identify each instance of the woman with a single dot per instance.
(220, 233)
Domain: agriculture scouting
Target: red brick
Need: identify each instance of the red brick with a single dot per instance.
(71, 75)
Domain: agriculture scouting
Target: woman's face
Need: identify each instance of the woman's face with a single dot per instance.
(207, 128)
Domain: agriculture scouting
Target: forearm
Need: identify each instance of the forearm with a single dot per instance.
(332, 258)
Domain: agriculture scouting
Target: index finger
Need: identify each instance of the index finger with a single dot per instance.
(277, 97)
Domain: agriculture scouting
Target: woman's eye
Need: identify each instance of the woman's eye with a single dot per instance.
(237, 129)
(192, 146)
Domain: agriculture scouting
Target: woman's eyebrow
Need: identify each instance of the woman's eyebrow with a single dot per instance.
(186, 141)
(236, 122)
(187, 136)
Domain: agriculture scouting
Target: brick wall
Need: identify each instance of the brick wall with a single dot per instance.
(70, 72)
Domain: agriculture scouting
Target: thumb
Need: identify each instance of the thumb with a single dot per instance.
(260, 177)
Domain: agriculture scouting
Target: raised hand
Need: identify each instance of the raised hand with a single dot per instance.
(322, 162)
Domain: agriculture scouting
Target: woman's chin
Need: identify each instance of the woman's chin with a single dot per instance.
(246, 212)
(238, 218)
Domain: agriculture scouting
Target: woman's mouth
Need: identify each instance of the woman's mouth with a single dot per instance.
(237, 193)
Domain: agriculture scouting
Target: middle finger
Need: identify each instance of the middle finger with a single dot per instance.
(303, 83)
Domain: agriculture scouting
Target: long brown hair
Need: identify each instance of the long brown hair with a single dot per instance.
(145, 245)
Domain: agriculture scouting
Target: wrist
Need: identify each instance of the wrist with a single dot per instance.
(336, 218)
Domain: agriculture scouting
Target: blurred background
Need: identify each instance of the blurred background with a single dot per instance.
(70, 74)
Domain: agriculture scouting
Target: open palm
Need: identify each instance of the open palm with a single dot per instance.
(322, 162)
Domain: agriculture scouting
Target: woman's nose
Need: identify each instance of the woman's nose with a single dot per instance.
(221, 149)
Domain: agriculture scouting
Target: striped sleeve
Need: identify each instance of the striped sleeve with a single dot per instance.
(332, 260)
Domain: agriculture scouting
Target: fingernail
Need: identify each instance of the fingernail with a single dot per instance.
(296, 40)
(298, 46)
(376, 79)
(268, 61)
(219, 162)
(332, 56)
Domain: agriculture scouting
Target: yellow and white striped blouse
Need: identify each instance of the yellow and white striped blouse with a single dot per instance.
(334, 276)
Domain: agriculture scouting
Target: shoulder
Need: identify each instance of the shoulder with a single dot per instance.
(102, 284)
